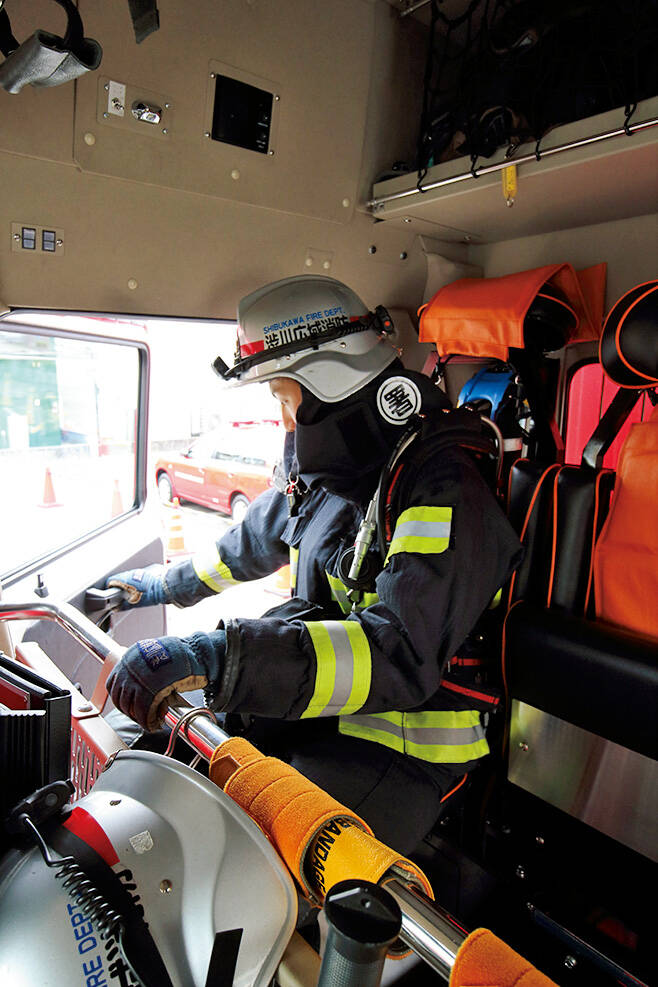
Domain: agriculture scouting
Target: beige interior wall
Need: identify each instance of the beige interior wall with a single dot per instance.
(156, 223)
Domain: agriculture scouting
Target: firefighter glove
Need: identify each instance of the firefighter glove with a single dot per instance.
(151, 670)
(142, 587)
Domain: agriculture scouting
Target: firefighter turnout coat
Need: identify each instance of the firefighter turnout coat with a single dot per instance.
(377, 670)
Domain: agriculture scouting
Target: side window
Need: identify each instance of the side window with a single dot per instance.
(69, 419)
(590, 393)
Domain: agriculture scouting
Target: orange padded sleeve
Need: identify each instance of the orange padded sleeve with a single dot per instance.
(484, 960)
(626, 554)
(320, 840)
(289, 808)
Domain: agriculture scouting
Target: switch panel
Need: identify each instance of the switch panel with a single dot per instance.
(34, 239)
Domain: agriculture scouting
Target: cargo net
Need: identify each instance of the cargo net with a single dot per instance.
(506, 72)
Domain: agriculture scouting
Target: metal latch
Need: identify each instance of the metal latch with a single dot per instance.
(146, 113)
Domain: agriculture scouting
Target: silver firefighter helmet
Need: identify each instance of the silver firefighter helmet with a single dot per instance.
(314, 330)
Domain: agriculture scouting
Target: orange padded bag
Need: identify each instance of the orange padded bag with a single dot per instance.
(626, 554)
(483, 317)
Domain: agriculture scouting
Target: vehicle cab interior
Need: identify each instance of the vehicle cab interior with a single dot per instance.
(486, 170)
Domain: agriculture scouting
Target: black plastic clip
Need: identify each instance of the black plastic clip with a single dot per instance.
(629, 111)
(39, 806)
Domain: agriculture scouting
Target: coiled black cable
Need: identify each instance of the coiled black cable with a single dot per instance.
(94, 906)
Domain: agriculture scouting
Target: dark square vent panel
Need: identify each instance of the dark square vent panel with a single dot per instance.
(242, 115)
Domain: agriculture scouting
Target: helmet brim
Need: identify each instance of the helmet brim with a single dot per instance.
(332, 373)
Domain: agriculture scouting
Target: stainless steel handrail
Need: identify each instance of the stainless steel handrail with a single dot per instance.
(97, 642)
(379, 202)
(429, 931)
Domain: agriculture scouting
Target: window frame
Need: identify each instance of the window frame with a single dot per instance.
(11, 321)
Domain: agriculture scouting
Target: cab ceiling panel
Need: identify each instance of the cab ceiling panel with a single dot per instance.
(52, 108)
(300, 68)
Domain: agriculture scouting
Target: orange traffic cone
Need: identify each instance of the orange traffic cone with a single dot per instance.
(175, 539)
(117, 502)
(49, 499)
(282, 581)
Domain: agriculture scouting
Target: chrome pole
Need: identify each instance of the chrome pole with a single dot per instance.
(414, 6)
(84, 631)
(377, 203)
(426, 928)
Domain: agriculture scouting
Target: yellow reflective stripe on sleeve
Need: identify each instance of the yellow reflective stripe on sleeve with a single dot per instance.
(212, 571)
(343, 667)
(325, 675)
(363, 732)
(438, 736)
(424, 530)
(496, 600)
(294, 564)
(339, 594)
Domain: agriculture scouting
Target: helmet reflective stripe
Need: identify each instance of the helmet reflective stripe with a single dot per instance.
(339, 594)
(343, 667)
(442, 737)
(212, 571)
(314, 330)
(425, 530)
(294, 564)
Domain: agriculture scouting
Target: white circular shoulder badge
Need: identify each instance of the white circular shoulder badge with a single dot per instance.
(398, 399)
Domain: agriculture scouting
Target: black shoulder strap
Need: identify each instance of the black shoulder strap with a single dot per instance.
(458, 427)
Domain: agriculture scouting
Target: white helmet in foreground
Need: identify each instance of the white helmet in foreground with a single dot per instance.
(316, 331)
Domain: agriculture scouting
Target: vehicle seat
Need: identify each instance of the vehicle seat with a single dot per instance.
(626, 555)
(583, 692)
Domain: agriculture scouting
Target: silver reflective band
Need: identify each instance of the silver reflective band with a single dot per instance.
(212, 571)
(343, 667)
(439, 736)
(424, 530)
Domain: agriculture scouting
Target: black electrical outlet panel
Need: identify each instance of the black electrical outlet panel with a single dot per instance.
(242, 115)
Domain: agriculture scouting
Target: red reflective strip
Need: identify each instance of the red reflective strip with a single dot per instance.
(466, 662)
(453, 687)
(453, 790)
(248, 349)
(84, 826)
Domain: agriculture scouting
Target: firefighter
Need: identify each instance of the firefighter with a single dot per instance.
(344, 680)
